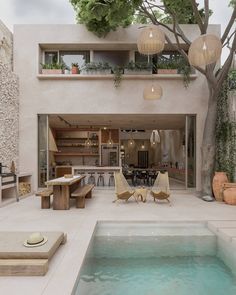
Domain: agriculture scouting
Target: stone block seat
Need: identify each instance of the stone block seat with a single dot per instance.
(45, 197)
(81, 193)
(18, 260)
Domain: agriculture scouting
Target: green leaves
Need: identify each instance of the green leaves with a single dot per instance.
(103, 16)
(226, 131)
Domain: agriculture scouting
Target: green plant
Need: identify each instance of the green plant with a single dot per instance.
(104, 66)
(232, 79)
(167, 63)
(185, 69)
(117, 71)
(176, 62)
(75, 65)
(138, 66)
(225, 134)
(97, 66)
(53, 66)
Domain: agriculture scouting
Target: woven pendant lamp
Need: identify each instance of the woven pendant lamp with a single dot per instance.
(155, 137)
(110, 141)
(152, 92)
(151, 40)
(205, 50)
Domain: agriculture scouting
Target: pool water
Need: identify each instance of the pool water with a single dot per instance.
(127, 260)
(157, 276)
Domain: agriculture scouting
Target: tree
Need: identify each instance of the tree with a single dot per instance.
(177, 12)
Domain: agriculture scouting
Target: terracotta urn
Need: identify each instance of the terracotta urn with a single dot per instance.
(230, 196)
(218, 180)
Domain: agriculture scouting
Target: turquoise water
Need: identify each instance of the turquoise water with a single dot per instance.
(152, 259)
(156, 276)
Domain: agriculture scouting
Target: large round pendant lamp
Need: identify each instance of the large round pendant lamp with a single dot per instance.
(155, 137)
(205, 50)
(152, 92)
(151, 40)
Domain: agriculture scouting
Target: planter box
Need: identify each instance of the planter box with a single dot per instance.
(136, 72)
(52, 72)
(167, 71)
(96, 72)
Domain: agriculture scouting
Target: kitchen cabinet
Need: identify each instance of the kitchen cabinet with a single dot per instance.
(106, 133)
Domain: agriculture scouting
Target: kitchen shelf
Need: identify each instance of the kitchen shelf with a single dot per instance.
(81, 146)
(76, 154)
(75, 138)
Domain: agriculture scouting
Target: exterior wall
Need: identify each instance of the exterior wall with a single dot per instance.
(9, 103)
(94, 96)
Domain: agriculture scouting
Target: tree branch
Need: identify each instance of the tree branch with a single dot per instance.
(207, 15)
(155, 21)
(228, 39)
(225, 69)
(229, 26)
(198, 17)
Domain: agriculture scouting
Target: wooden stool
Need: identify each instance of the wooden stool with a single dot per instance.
(45, 198)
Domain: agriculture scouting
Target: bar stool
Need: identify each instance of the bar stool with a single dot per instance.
(111, 179)
(100, 180)
(91, 179)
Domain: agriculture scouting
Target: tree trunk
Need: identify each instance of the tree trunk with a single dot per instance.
(208, 143)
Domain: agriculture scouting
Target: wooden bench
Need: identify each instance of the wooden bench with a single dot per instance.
(45, 197)
(81, 193)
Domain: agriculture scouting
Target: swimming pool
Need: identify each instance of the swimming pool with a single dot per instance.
(134, 258)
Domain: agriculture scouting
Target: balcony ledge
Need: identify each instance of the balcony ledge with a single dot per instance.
(110, 77)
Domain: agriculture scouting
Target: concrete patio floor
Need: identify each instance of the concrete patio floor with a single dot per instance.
(79, 225)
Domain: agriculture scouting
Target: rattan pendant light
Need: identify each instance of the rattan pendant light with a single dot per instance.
(155, 137)
(205, 50)
(151, 40)
(152, 92)
(88, 142)
(110, 141)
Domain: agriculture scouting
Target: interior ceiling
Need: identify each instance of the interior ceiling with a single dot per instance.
(122, 121)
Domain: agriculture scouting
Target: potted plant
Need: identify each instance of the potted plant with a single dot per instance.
(138, 68)
(52, 69)
(97, 68)
(75, 68)
(167, 65)
(104, 68)
(67, 70)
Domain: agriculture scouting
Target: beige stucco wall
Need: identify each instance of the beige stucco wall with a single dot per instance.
(93, 96)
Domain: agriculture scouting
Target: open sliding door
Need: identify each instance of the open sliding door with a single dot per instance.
(43, 172)
(190, 151)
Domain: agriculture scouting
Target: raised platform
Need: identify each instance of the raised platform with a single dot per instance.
(18, 260)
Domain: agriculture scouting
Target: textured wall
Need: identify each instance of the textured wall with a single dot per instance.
(9, 116)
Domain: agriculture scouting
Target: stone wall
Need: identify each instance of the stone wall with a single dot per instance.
(9, 103)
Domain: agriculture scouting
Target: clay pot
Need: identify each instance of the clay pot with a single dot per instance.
(74, 70)
(230, 196)
(218, 180)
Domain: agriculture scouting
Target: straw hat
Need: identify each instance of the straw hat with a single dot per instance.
(35, 240)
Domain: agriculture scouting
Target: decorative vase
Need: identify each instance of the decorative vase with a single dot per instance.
(230, 196)
(218, 180)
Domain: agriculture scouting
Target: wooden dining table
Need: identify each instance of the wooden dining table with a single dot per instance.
(62, 189)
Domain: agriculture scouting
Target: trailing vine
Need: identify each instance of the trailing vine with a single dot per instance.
(226, 129)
